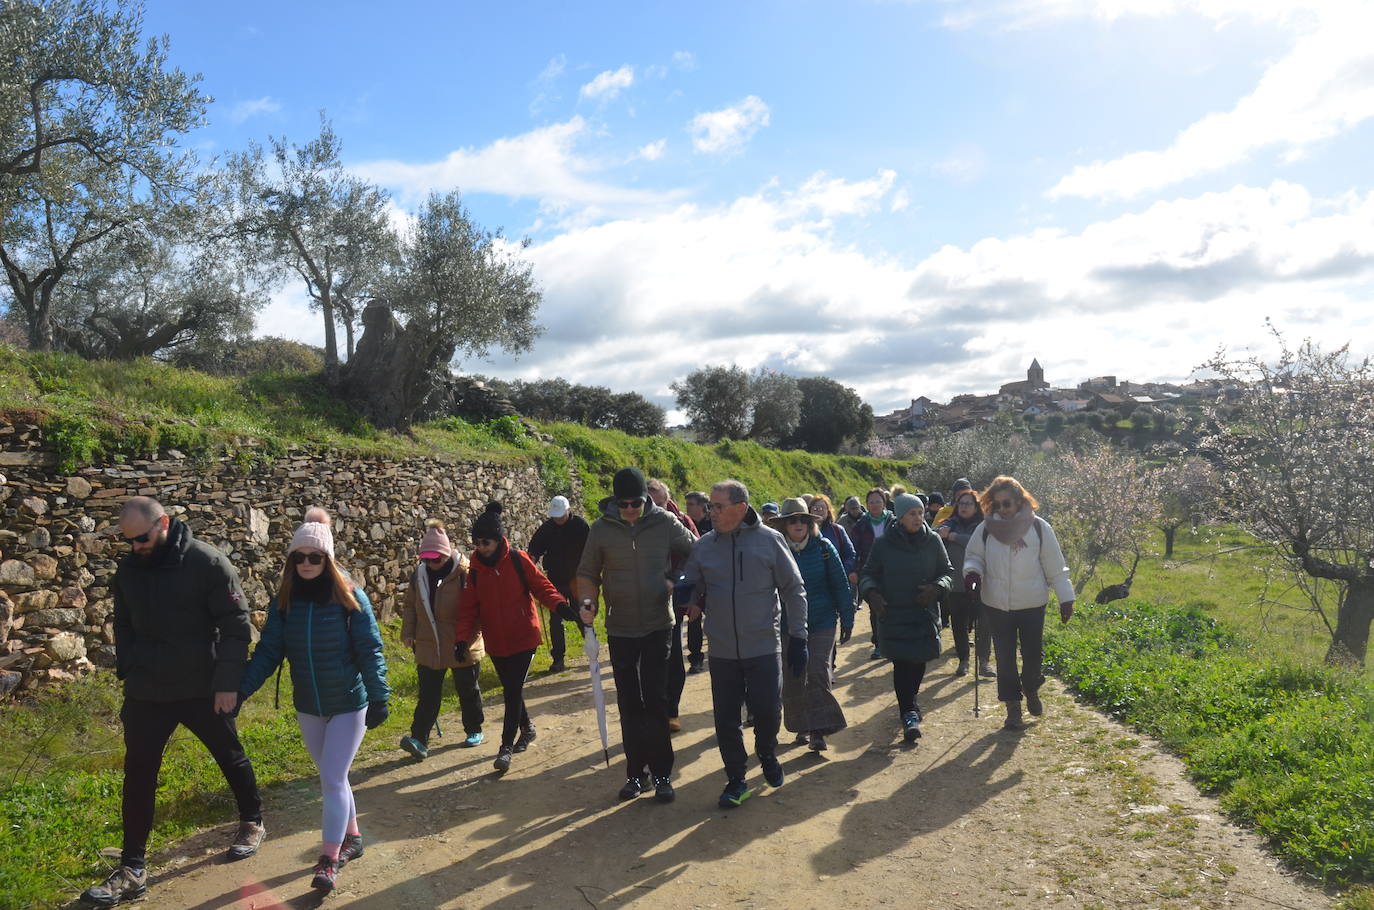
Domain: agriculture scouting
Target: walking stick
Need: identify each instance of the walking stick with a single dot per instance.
(977, 607)
(436, 728)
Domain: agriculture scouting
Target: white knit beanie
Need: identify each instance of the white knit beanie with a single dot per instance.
(313, 534)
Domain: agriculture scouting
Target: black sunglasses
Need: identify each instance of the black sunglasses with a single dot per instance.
(798, 520)
(630, 503)
(1000, 504)
(314, 559)
(481, 541)
(434, 559)
(142, 538)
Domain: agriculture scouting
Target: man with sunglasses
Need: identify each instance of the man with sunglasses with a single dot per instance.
(628, 560)
(181, 639)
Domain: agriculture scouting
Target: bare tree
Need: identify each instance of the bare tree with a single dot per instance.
(1296, 448)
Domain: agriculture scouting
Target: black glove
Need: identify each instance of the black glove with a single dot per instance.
(845, 633)
(567, 612)
(796, 655)
(376, 714)
(927, 595)
(876, 601)
(460, 652)
(682, 594)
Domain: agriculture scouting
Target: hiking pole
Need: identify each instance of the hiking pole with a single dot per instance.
(974, 606)
(436, 728)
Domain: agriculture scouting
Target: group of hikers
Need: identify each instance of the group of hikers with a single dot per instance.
(767, 595)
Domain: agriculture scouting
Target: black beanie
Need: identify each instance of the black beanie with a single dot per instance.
(629, 484)
(488, 525)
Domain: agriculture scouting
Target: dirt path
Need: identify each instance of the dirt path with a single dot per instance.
(1072, 812)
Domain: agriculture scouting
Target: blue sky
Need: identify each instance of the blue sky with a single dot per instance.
(915, 198)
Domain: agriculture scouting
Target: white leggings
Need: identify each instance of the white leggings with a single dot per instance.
(333, 741)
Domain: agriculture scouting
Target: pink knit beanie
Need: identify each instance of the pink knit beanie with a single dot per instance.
(435, 542)
(313, 534)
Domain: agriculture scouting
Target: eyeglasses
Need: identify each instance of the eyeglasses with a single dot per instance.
(314, 559)
(1003, 504)
(482, 541)
(798, 520)
(435, 560)
(720, 506)
(630, 503)
(142, 538)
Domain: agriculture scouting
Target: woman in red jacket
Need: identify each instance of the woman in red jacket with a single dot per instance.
(499, 602)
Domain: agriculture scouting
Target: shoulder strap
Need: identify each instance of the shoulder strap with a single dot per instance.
(520, 567)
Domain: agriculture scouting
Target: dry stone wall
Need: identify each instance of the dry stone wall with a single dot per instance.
(59, 542)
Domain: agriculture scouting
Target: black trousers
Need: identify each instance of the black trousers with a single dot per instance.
(640, 667)
(963, 607)
(906, 681)
(752, 681)
(431, 695)
(513, 670)
(677, 671)
(558, 636)
(1008, 628)
(148, 725)
(695, 641)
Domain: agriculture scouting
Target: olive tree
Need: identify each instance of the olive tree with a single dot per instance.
(89, 116)
(1295, 446)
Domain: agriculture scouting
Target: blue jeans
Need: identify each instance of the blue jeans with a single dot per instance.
(757, 682)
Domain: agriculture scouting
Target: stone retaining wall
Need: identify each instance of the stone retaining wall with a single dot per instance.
(59, 542)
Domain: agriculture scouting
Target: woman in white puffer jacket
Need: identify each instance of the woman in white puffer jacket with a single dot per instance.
(1013, 561)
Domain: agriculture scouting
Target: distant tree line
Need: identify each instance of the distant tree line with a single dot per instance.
(598, 407)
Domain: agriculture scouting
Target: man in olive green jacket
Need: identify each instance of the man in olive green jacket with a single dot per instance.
(628, 557)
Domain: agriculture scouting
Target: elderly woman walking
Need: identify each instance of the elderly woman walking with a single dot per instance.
(322, 624)
(809, 708)
(905, 575)
(1013, 561)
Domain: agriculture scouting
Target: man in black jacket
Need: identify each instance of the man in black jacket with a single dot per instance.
(181, 639)
(559, 542)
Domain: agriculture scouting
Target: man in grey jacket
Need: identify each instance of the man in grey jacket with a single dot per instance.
(628, 556)
(738, 573)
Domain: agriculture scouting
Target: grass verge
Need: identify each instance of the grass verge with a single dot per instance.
(1287, 747)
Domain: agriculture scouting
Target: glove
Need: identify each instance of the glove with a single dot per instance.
(927, 595)
(877, 601)
(845, 633)
(973, 581)
(796, 656)
(682, 594)
(376, 714)
(565, 612)
(460, 652)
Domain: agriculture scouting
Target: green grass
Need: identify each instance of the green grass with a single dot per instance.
(1285, 744)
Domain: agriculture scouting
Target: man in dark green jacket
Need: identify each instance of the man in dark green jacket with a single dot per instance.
(628, 557)
(181, 640)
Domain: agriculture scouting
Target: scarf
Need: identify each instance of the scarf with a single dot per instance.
(319, 589)
(798, 545)
(1012, 531)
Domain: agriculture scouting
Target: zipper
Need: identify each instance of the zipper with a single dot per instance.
(310, 656)
(735, 556)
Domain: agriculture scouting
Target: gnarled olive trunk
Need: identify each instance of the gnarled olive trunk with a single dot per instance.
(1350, 641)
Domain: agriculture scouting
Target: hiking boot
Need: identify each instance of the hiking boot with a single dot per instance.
(772, 770)
(350, 849)
(663, 790)
(125, 883)
(502, 763)
(416, 748)
(474, 739)
(1034, 705)
(817, 743)
(986, 669)
(633, 787)
(326, 871)
(734, 794)
(748, 718)
(876, 655)
(695, 666)
(802, 739)
(527, 736)
(1013, 721)
(557, 667)
(962, 669)
(674, 725)
(247, 840)
(911, 726)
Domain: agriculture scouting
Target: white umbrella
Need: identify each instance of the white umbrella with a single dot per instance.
(592, 648)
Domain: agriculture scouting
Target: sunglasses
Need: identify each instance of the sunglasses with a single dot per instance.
(482, 541)
(1001, 504)
(314, 559)
(630, 503)
(798, 520)
(142, 538)
(436, 560)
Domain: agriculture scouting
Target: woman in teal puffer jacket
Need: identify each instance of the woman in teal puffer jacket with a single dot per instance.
(903, 579)
(327, 632)
(809, 707)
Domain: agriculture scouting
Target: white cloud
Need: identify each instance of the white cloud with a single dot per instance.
(965, 164)
(726, 131)
(1015, 15)
(1322, 88)
(542, 164)
(253, 107)
(832, 196)
(685, 61)
(608, 84)
(652, 151)
(545, 85)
